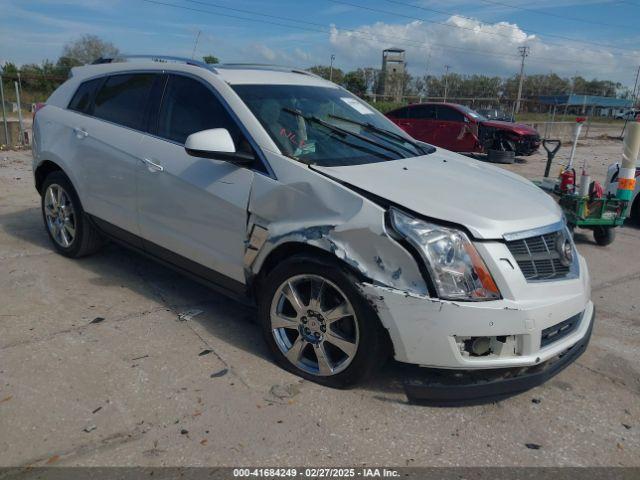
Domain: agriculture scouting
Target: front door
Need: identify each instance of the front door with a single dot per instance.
(454, 130)
(193, 210)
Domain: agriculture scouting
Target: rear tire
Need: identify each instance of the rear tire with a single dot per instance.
(311, 342)
(501, 156)
(604, 235)
(69, 228)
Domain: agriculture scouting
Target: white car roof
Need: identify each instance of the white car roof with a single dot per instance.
(237, 74)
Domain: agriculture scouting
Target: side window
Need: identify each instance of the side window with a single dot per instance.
(449, 114)
(188, 106)
(82, 100)
(122, 99)
(423, 112)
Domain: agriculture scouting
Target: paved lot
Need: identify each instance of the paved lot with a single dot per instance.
(100, 366)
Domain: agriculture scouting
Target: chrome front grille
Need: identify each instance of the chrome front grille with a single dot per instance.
(538, 257)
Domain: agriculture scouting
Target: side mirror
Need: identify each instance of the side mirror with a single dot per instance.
(217, 144)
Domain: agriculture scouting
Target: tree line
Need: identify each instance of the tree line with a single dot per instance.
(368, 81)
(39, 80)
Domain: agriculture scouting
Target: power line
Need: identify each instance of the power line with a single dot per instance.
(419, 7)
(556, 15)
(323, 29)
(387, 12)
(514, 27)
(463, 50)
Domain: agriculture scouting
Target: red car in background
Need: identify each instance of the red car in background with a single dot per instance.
(460, 129)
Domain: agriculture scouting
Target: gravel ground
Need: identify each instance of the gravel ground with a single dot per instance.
(114, 360)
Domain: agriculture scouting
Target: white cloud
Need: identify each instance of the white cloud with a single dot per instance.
(301, 55)
(265, 52)
(471, 46)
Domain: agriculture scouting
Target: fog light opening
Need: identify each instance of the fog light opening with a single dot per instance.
(478, 346)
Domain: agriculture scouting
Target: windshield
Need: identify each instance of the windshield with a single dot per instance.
(473, 114)
(326, 126)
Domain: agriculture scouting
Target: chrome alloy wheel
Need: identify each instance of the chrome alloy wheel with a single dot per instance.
(314, 325)
(60, 215)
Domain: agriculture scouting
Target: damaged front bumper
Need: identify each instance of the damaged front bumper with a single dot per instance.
(524, 342)
(434, 333)
(442, 388)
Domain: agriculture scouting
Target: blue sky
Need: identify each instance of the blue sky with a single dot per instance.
(591, 38)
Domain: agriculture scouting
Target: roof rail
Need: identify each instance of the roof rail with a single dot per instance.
(155, 58)
(265, 66)
(211, 67)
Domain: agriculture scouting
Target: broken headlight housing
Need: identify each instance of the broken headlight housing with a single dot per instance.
(457, 270)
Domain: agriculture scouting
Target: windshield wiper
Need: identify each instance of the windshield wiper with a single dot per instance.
(341, 131)
(382, 131)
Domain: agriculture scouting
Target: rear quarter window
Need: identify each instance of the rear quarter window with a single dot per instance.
(82, 100)
(122, 99)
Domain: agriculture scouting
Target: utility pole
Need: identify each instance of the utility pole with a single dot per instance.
(524, 52)
(446, 81)
(19, 113)
(426, 77)
(4, 111)
(195, 45)
(333, 57)
(634, 95)
(634, 100)
(573, 85)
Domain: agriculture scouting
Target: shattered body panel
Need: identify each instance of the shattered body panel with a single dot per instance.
(424, 329)
(305, 206)
(492, 137)
(299, 209)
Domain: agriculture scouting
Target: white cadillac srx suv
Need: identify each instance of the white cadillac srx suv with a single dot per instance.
(355, 241)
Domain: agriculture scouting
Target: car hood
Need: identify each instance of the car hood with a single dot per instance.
(487, 200)
(520, 128)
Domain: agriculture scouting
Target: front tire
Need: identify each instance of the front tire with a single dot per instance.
(70, 230)
(318, 325)
(501, 156)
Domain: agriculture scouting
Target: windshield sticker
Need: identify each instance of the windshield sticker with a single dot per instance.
(356, 105)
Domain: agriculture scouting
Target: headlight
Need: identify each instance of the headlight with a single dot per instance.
(453, 262)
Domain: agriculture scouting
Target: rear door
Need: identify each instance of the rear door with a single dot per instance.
(193, 211)
(108, 141)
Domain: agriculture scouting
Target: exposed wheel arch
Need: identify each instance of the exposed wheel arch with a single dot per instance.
(43, 170)
(288, 249)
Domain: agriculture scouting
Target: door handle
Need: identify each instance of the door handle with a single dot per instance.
(152, 166)
(80, 133)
